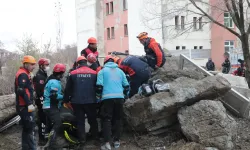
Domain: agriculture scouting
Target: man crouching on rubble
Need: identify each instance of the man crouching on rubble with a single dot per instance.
(112, 85)
(52, 102)
(24, 102)
(80, 90)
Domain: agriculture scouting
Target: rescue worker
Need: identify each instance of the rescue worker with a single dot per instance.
(80, 91)
(210, 65)
(226, 65)
(39, 84)
(112, 85)
(91, 53)
(24, 102)
(52, 102)
(155, 55)
(137, 70)
(240, 70)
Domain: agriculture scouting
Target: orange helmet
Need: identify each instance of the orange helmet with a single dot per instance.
(29, 59)
(43, 61)
(142, 35)
(80, 58)
(107, 58)
(91, 58)
(59, 68)
(92, 40)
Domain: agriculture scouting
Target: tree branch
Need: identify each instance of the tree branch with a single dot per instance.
(233, 12)
(242, 29)
(214, 21)
(248, 3)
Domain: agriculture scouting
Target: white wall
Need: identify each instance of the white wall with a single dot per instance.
(191, 37)
(85, 22)
(136, 12)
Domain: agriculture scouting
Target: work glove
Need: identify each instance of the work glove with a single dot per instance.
(31, 108)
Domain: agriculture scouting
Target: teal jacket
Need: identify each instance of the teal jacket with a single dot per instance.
(112, 79)
(53, 85)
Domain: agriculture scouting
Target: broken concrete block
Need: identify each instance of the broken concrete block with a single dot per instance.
(207, 123)
(160, 109)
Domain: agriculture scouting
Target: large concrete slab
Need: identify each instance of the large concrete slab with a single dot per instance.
(234, 101)
(235, 81)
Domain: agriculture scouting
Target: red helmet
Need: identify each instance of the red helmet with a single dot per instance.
(108, 57)
(59, 68)
(91, 58)
(92, 40)
(80, 58)
(43, 61)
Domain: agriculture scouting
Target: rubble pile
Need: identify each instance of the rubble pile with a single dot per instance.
(192, 103)
(188, 117)
(7, 107)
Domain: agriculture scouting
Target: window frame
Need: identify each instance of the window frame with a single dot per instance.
(228, 20)
(229, 46)
(125, 6)
(125, 29)
(107, 9)
(200, 23)
(182, 22)
(112, 33)
(111, 7)
(195, 23)
(108, 34)
(177, 22)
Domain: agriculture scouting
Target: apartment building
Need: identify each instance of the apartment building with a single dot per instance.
(116, 23)
(184, 29)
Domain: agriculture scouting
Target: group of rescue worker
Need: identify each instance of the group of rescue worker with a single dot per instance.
(88, 85)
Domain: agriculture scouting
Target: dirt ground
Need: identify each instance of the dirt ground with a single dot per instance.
(11, 139)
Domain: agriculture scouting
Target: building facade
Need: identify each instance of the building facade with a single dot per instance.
(176, 25)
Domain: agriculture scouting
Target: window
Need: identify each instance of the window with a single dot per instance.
(108, 33)
(201, 47)
(107, 8)
(182, 22)
(177, 47)
(194, 22)
(200, 23)
(112, 32)
(176, 22)
(111, 7)
(229, 45)
(195, 47)
(228, 21)
(183, 47)
(125, 7)
(125, 30)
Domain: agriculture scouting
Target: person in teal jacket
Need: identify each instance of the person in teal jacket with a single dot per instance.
(52, 102)
(112, 88)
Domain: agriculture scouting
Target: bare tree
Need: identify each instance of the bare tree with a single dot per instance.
(211, 10)
(28, 46)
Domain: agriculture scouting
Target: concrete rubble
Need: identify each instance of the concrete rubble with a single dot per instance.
(189, 117)
(159, 110)
(207, 123)
(7, 107)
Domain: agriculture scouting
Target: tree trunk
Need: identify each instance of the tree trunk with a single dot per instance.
(245, 48)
